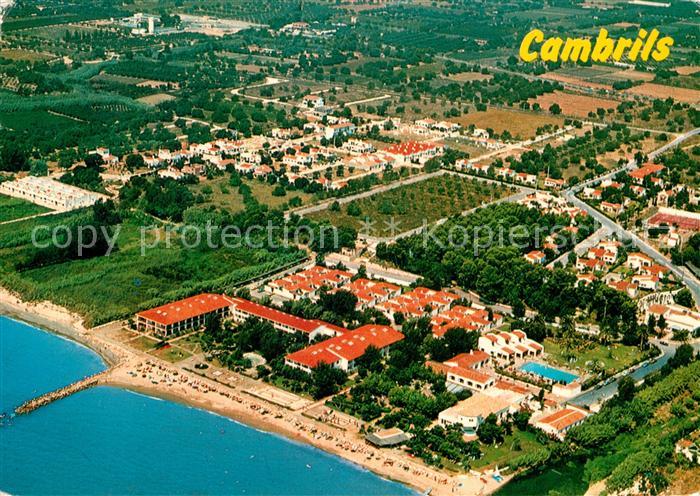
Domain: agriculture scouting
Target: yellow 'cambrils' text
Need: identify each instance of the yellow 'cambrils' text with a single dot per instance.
(534, 47)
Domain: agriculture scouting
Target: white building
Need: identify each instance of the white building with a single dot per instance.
(50, 193)
(559, 423)
(472, 412)
(507, 346)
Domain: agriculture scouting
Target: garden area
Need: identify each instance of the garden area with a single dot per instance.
(591, 356)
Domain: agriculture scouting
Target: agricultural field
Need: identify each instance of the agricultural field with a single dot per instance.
(465, 77)
(109, 287)
(523, 124)
(653, 90)
(573, 104)
(28, 55)
(15, 208)
(410, 206)
(218, 193)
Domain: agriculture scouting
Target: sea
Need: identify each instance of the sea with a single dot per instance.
(113, 441)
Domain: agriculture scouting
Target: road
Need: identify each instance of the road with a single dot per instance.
(581, 247)
(609, 390)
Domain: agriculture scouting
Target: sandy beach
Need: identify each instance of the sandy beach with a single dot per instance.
(141, 372)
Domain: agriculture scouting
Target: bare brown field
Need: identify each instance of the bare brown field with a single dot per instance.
(465, 77)
(572, 104)
(517, 123)
(248, 68)
(686, 70)
(18, 54)
(574, 80)
(156, 99)
(653, 90)
(686, 481)
(625, 24)
(634, 75)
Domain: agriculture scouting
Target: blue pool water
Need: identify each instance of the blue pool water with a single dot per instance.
(108, 440)
(548, 372)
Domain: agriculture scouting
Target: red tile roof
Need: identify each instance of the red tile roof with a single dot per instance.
(350, 346)
(647, 170)
(188, 308)
(410, 147)
(563, 418)
(468, 360)
(273, 315)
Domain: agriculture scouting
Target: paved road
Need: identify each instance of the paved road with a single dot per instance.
(609, 390)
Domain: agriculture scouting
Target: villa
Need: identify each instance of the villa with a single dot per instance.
(242, 310)
(307, 283)
(508, 346)
(343, 351)
(559, 423)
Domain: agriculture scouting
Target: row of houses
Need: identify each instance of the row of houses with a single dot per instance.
(343, 349)
(50, 193)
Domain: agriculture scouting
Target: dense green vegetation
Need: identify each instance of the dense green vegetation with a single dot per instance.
(633, 437)
(410, 206)
(14, 208)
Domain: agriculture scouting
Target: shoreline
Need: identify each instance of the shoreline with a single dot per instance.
(145, 374)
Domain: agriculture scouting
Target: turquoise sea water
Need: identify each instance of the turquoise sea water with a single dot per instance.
(107, 440)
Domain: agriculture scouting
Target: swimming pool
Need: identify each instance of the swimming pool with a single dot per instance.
(548, 372)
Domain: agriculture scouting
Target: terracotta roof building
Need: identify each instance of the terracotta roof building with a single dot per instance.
(559, 423)
(182, 315)
(343, 351)
(242, 310)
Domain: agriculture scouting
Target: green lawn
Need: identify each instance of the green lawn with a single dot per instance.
(14, 208)
(566, 480)
(516, 444)
(411, 205)
(219, 193)
(172, 354)
(615, 357)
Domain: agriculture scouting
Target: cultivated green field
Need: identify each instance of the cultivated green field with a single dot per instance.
(409, 206)
(14, 208)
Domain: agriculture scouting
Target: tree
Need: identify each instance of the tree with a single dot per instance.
(683, 356)
(371, 360)
(134, 162)
(354, 209)
(94, 161)
(625, 389)
(325, 380)
(339, 302)
(555, 109)
(39, 168)
(685, 297)
(490, 432)
(13, 158)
